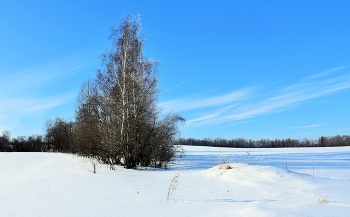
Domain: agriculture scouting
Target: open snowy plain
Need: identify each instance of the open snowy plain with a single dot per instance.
(262, 182)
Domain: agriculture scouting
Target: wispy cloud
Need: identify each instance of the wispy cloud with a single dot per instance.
(328, 132)
(176, 86)
(191, 103)
(308, 126)
(37, 76)
(29, 90)
(325, 73)
(251, 102)
(25, 105)
(8, 122)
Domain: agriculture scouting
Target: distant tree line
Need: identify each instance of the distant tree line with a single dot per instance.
(63, 136)
(21, 143)
(330, 141)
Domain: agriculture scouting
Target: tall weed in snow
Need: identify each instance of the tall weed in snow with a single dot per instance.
(313, 170)
(224, 162)
(248, 156)
(285, 157)
(173, 186)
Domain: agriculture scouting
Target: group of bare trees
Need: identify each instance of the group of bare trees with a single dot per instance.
(5, 141)
(59, 135)
(117, 118)
(330, 141)
(33, 143)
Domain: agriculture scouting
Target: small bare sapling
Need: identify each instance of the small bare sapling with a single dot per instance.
(94, 163)
(180, 151)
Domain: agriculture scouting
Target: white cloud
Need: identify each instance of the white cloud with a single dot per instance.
(325, 73)
(176, 86)
(27, 91)
(191, 103)
(250, 102)
(308, 126)
(37, 77)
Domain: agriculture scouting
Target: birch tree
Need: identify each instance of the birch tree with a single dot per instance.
(129, 88)
(117, 118)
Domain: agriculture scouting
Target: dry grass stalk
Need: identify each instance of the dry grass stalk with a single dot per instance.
(225, 167)
(322, 200)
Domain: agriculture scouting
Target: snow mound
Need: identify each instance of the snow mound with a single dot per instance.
(54, 184)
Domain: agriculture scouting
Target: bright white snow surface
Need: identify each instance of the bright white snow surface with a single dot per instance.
(268, 182)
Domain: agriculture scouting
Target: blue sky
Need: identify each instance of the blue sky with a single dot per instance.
(251, 69)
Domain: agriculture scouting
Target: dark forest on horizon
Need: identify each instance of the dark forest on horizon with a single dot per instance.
(323, 141)
(37, 143)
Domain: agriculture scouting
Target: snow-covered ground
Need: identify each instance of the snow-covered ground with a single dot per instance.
(265, 182)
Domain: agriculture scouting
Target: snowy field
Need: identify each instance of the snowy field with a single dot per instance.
(265, 182)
